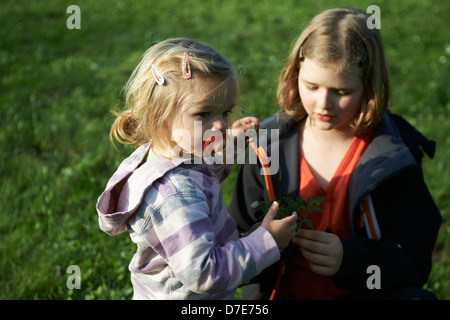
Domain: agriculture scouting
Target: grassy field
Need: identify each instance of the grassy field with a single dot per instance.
(58, 86)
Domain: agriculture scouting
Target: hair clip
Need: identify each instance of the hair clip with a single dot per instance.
(159, 80)
(301, 56)
(186, 67)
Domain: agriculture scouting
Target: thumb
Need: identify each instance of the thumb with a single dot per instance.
(292, 218)
(273, 210)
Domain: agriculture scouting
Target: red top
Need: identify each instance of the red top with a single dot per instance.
(299, 282)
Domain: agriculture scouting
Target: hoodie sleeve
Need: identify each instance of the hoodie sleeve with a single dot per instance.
(194, 238)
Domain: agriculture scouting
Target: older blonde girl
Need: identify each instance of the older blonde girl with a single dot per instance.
(339, 141)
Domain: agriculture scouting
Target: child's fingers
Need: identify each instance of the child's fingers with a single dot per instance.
(273, 210)
(312, 246)
(250, 120)
(292, 219)
(313, 257)
(319, 264)
(320, 269)
(323, 250)
(246, 123)
(317, 236)
(290, 223)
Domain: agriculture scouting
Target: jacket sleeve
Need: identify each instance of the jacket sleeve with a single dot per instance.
(409, 222)
(182, 232)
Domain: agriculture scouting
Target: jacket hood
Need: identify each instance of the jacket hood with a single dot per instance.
(125, 190)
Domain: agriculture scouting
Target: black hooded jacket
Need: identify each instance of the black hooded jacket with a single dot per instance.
(390, 173)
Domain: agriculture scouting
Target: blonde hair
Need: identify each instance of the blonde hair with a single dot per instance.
(150, 107)
(341, 39)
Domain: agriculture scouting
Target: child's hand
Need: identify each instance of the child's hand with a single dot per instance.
(282, 230)
(323, 250)
(238, 129)
(246, 123)
(241, 126)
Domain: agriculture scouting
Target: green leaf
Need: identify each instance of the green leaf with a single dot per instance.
(291, 203)
(298, 200)
(317, 208)
(288, 205)
(309, 223)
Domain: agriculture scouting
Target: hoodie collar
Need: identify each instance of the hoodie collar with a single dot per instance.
(125, 190)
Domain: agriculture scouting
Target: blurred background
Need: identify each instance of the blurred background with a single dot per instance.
(58, 86)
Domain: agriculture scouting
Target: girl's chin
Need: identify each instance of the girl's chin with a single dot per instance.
(323, 125)
(327, 125)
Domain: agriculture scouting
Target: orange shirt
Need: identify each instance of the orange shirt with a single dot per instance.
(299, 282)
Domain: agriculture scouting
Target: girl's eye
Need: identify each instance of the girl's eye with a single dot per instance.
(227, 113)
(312, 88)
(203, 114)
(343, 93)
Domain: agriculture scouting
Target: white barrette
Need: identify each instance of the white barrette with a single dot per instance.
(159, 81)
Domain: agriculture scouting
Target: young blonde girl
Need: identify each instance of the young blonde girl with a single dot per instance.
(171, 205)
(338, 140)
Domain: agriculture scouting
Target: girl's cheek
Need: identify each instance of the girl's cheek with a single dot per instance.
(351, 102)
(307, 101)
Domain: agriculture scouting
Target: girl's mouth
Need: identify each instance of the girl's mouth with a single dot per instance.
(324, 117)
(214, 147)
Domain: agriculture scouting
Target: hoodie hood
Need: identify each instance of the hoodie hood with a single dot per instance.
(125, 190)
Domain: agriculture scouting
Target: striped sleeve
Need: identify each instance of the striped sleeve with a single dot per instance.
(199, 243)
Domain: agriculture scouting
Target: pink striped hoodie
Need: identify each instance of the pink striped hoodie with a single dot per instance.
(187, 243)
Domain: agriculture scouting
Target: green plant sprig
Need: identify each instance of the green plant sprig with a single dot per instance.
(288, 205)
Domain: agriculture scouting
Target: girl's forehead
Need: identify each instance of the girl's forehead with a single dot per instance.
(213, 92)
(330, 74)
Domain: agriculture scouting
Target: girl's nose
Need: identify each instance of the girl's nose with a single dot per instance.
(324, 100)
(219, 125)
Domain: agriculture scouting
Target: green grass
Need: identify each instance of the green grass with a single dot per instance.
(58, 85)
